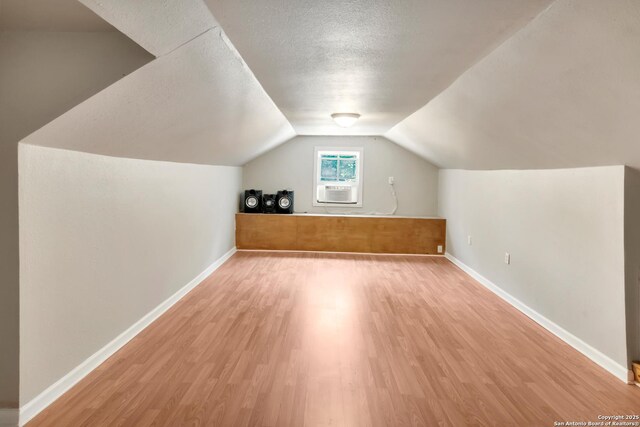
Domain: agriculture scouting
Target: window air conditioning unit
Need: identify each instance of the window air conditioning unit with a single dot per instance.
(344, 194)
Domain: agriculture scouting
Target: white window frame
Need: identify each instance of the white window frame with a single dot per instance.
(316, 176)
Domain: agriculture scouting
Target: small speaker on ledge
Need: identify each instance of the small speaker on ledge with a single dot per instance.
(284, 202)
(269, 203)
(252, 201)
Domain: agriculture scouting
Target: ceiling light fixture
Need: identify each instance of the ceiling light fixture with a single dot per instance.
(345, 119)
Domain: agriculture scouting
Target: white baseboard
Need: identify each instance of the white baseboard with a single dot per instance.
(8, 417)
(53, 392)
(597, 356)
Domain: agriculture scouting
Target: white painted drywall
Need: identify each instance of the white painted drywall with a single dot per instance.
(42, 75)
(158, 27)
(563, 92)
(49, 15)
(198, 104)
(632, 260)
(564, 231)
(290, 166)
(103, 240)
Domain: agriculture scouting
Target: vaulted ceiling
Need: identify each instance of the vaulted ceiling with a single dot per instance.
(378, 58)
(466, 84)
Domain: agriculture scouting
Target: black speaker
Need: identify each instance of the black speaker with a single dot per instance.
(252, 201)
(269, 203)
(284, 202)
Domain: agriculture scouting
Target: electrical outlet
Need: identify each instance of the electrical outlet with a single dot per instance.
(391, 180)
(507, 258)
(439, 249)
(469, 240)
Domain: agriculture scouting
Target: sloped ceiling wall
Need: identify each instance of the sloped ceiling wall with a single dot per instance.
(563, 92)
(49, 15)
(157, 26)
(53, 55)
(197, 102)
(200, 103)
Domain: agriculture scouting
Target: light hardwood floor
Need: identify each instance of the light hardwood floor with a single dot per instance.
(282, 339)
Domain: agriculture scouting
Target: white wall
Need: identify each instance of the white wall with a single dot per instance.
(564, 231)
(290, 166)
(103, 241)
(42, 75)
(632, 260)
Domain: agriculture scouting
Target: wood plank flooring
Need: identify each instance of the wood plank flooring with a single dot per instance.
(283, 339)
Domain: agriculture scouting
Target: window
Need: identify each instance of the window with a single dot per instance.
(337, 167)
(338, 177)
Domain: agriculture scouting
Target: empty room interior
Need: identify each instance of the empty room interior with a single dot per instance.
(319, 213)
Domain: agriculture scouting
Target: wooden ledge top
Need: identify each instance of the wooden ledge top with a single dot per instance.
(337, 215)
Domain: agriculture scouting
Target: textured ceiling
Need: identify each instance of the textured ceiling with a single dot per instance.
(198, 104)
(49, 15)
(497, 84)
(563, 92)
(381, 59)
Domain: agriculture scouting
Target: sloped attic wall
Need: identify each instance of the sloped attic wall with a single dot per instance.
(134, 184)
(42, 75)
(198, 104)
(562, 92)
(159, 28)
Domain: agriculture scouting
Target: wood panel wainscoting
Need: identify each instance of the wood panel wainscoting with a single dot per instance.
(341, 233)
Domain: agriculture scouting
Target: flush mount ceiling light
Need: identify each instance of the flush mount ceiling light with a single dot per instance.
(345, 119)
